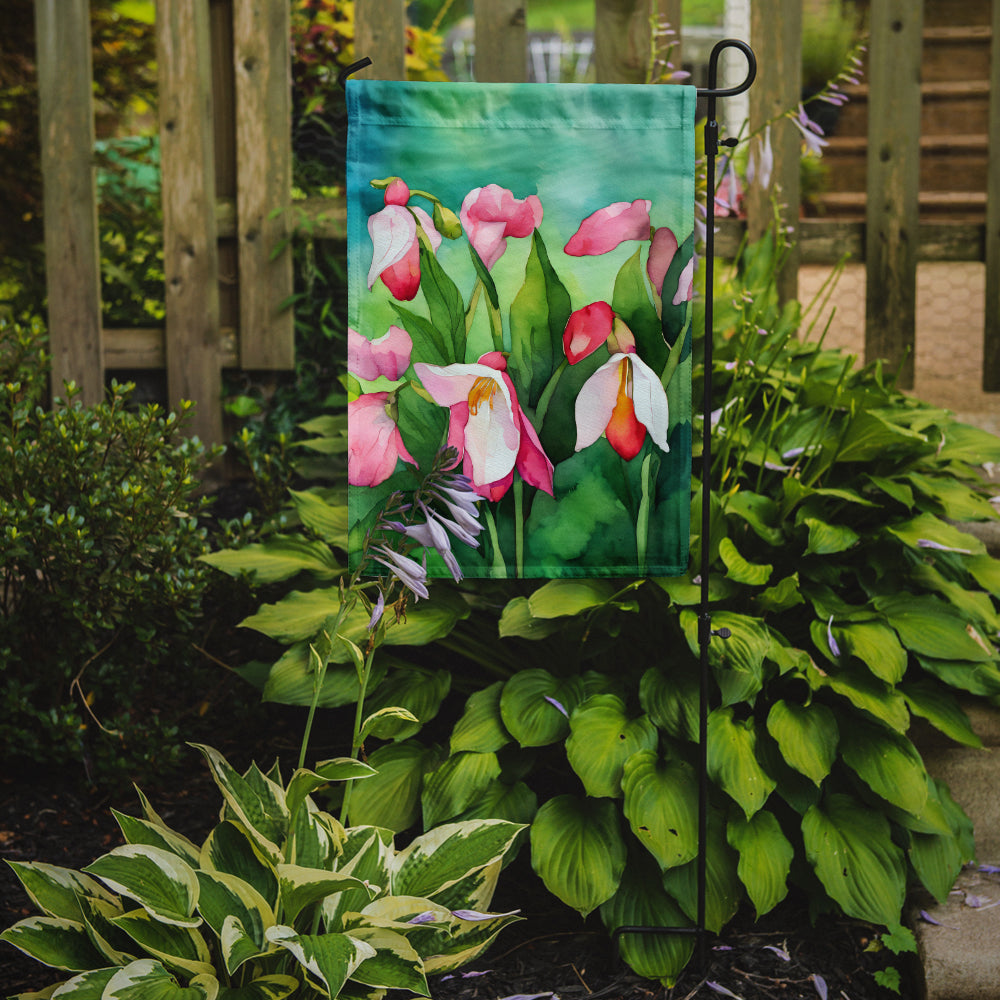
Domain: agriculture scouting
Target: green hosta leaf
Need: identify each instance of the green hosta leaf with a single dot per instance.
(723, 889)
(807, 736)
(932, 628)
(330, 959)
(528, 710)
(180, 948)
(760, 512)
(578, 851)
(976, 678)
(292, 679)
(387, 722)
(888, 763)
(671, 699)
(225, 897)
(957, 501)
(751, 574)
(327, 520)
(937, 859)
(783, 595)
(876, 646)
(828, 539)
(438, 859)
(765, 858)
(941, 709)
(456, 784)
(641, 901)
(279, 558)
(683, 591)
(517, 620)
(54, 941)
(965, 443)
(56, 891)
(481, 728)
(986, 572)
(164, 885)
(142, 831)
(927, 528)
(661, 798)
(230, 849)
(732, 760)
(738, 661)
(304, 782)
(147, 979)
(870, 435)
(850, 847)
(261, 809)
(301, 887)
(274, 987)
(865, 692)
(602, 738)
(559, 598)
(976, 605)
(417, 690)
(391, 798)
(515, 803)
(395, 964)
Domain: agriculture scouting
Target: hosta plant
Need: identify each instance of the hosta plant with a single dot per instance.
(279, 900)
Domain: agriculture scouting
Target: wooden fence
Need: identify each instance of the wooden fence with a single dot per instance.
(226, 162)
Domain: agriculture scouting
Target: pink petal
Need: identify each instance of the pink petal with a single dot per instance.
(427, 224)
(388, 355)
(607, 227)
(393, 231)
(490, 214)
(532, 463)
(374, 441)
(397, 193)
(586, 330)
(685, 284)
(403, 278)
(661, 253)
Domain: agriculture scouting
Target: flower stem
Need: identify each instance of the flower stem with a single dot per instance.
(642, 520)
(356, 738)
(322, 661)
(518, 527)
(499, 568)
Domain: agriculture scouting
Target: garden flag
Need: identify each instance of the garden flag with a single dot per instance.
(520, 265)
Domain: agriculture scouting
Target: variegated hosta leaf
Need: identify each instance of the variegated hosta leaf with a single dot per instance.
(225, 897)
(147, 979)
(274, 987)
(418, 691)
(723, 889)
(468, 939)
(54, 941)
(765, 858)
(367, 854)
(888, 763)
(256, 801)
(177, 947)
(301, 887)
(602, 737)
(850, 847)
(578, 851)
(158, 880)
(642, 902)
(141, 831)
(329, 959)
(441, 857)
(456, 784)
(304, 782)
(391, 799)
(732, 760)
(56, 891)
(116, 947)
(807, 736)
(395, 964)
(661, 800)
(476, 890)
(230, 849)
(315, 838)
(535, 706)
(86, 986)
(481, 727)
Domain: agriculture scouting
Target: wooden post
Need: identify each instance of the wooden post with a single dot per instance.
(190, 254)
(501, 41)
(380, 34)
(72, 256)
(262, 62)
(991, 333)
(776, 35)
(893, 183)
(623, 37)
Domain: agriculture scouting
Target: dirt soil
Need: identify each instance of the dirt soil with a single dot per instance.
(551, 952)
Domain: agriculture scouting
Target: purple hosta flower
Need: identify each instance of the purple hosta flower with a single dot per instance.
(432, 535)
(927, 918)
(530, 996)
(812, 134)
(472, 974)
(782, 953)
(410, 573)
(760, 165)
(557, 704)
(928, 543)
(820, 983)
(475, 915)
(377, 611)
(427, 917)
(989, 869)
(831, 642)
(719, 988)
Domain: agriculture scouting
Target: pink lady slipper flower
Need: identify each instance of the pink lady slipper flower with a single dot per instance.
(393, 230)
(490, 214)
(590, 327)
(486, 425)
(623, 400)
(388, 355)
(374, 441)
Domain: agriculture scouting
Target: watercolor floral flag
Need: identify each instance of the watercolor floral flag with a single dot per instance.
(520, 265)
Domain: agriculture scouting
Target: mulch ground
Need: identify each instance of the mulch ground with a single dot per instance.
(551, 952)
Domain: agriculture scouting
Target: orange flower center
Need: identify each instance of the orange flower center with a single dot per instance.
(483, 390)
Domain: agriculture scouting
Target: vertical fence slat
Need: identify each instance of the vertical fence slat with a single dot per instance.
(264, 167)
(72, 257)
(190, 253)
(622, 39)
(893, 183)
(776, 34)
(991, 332)
(501, 37)
(380, 34)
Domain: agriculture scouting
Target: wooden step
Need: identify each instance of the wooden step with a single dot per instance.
(940, 13)
(957, 206)
(947, 162)
(956, 53)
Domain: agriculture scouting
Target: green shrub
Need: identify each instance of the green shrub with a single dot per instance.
(99, 541)
(279, 900)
